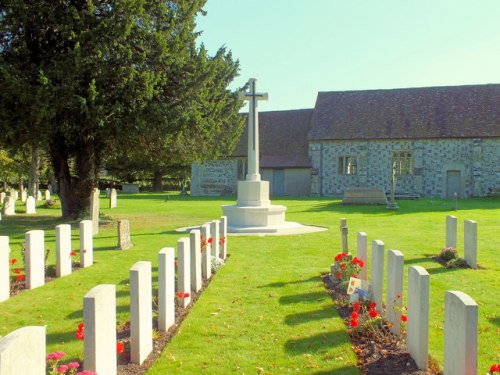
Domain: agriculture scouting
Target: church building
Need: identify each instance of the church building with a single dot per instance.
(436, 140)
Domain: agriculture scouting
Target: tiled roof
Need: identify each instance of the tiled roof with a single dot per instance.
(433, 112)
(283, 138)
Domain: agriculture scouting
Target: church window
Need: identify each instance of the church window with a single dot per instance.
(402, 163)
(348, 165)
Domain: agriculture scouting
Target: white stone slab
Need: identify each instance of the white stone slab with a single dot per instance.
(86, 244)
(394, 288)
(166, 288)
(9, 206)
(223, 233)
(38, 195)
(214, 229)
(22, 352)
(451, 231)
(417, 336)
(343, 234)
(206, 263)
(113, 198)
(460, 334)
(94, 210)
(195, 260)
(30, 205)
(99, 317)
(362, 253)
(35, 259)
(2, 196)
(47, 195)
(470, 243)
(141, 316)
(108, 192)
(4, 268)
(377, 273)
(124, 242)
(23, 195)
(63, 250)
(184, 271)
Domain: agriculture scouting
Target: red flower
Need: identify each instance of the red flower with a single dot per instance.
(398, 296)
(210, 240)
(373, 313)
(13, 261)
(62, 369)
(355, 276)
(354, 315)
(179, 294)
(81, 327)
(73, 365)
(84, 251)
(495, 368)
(356, 306)
(20, 277)
(120, 347)
(373, 304)
(342, 266)
(186, 295)
(17, 271)
(79, 335)
(73, 253)
(361, 264)
(354, 323)
(222, 240)
(404, 318)
(338, 275)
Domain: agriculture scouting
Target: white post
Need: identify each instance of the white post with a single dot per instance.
(363, 254)
(395, 271)
(470, 243)
(194, 240)
(343, 233)
(206, 262)
(223, 231)
(141, 312)
(451, 231)
(183, 274)
(166, 288)
(460, 334)
(417, 336)
(94, 210)
(214, 229)
(35, 259)
(63, 250)
(377, 273)
(99, 317)
(22, 352)
(113, 199)
(4, 268)
(86, 244)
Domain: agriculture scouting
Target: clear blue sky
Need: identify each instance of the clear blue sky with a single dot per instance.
(296, 48)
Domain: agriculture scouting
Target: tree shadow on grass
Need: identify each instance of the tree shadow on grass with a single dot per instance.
(304, 297)
(347, 370)
(495, 320)
(281, 284)
(326, 312)
(316, 343)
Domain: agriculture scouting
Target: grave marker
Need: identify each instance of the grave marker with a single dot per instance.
(30, 341)
(4, 268)
(38, 195)
(108, 192)
(377, 273)
(214, 229)
(460, 334)
(99, 317)
(86, 244)
(24, 195)
(184, 271)
(194, 241)
(166, 288)
(223, 231)
(451, 231)
(30, 205)
(124, 235)
(2, 196)
(363, 254)
(113, 199)
(470, 243)
(63, 250)
(141, 316)
(206, 262)
(417, 336)
(343, 232)
(94, 210)
(47, 195)
(35, 259)
(393, 304)
(9, 206)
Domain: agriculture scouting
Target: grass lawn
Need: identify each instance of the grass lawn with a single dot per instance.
(266, 310)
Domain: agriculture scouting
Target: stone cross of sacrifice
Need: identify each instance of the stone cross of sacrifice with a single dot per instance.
(253, 129)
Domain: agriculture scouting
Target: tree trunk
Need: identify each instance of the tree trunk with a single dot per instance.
(33, 177)
(157, 181)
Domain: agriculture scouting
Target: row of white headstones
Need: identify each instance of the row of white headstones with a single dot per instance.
(461, 311)
(99, 307)
(9, 201)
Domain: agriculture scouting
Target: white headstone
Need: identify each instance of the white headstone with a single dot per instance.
(63, 250)
(460, 334)
(99, 317)
(4, 268)
(9, 206)
(86, 244)
(124, 235)
(394, 289)
(451, 231)
(38, 195)
(30, 205)
(108, 192)
(166, 288)
(362, 249)
(2, 196)
(22, 352)
(14, 194)
(94, 210)
(113, 199)
(417, 336)
(35, 259)
(223, 233)
(47, 195)
(184, 271)
(206, 263)
(470, 243)
(214, 229)
(377, 273)
(343, 233)
(24, 195)
(195, 260)
(141, 315)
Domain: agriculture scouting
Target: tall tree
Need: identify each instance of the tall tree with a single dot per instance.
(89, 77)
